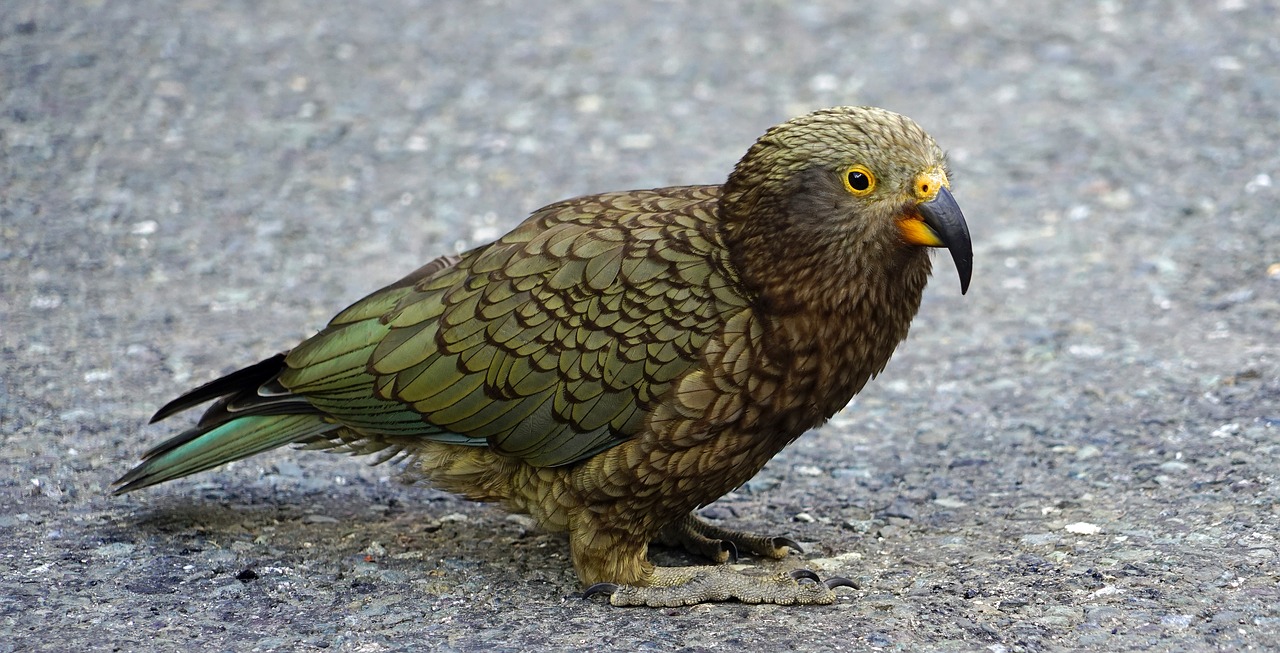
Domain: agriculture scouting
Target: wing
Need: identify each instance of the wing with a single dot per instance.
(550, 344)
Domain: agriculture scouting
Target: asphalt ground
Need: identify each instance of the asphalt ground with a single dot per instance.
(1080, 454)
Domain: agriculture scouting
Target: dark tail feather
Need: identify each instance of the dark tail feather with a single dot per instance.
(249, 378)
(253, 413)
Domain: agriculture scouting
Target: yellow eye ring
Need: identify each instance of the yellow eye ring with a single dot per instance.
(859, 181)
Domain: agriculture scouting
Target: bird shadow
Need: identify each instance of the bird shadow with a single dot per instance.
(265, 523)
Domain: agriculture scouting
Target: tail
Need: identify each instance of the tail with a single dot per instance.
(253, 413)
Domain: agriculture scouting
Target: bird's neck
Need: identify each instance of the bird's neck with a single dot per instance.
(833, 313)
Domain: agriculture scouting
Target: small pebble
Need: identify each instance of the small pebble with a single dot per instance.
(1083, 528)
(1088, 451)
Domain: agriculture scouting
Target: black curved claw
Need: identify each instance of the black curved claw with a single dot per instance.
(805, 573)
(730, 548)
(606, 589)
(779, 542)
(839, 581)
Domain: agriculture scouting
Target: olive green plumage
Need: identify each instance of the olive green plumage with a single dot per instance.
(546, 345)
(618, 360)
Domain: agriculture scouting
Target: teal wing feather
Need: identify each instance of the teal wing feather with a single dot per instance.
(549, 345)
(205, 447)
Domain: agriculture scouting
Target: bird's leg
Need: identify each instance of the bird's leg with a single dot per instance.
(616, 562)
(721, 544)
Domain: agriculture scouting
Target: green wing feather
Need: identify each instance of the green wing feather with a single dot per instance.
(548, 345)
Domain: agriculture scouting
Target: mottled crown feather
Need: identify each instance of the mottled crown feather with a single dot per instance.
(833, 138)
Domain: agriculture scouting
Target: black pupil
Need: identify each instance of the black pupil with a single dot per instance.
(858, 181)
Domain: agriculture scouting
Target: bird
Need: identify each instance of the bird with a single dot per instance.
(618, 361)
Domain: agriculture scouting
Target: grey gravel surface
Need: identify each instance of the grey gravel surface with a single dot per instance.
(1080, 454)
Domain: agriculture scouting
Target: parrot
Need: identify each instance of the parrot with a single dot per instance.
(620, 360)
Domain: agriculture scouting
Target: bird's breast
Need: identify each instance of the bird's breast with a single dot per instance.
(818, 360)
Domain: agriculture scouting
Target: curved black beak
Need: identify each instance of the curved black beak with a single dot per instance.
(943, 216)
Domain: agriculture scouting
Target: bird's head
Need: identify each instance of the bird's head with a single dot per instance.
(866, 180)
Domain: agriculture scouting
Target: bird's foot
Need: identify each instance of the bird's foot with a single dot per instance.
(676, 586)
(721, 544)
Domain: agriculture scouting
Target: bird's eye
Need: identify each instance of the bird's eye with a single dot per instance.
(859, 181)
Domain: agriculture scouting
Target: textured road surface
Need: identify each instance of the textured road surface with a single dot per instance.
(1083, 453)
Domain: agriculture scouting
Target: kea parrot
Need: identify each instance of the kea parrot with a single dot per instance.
(618, 361)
